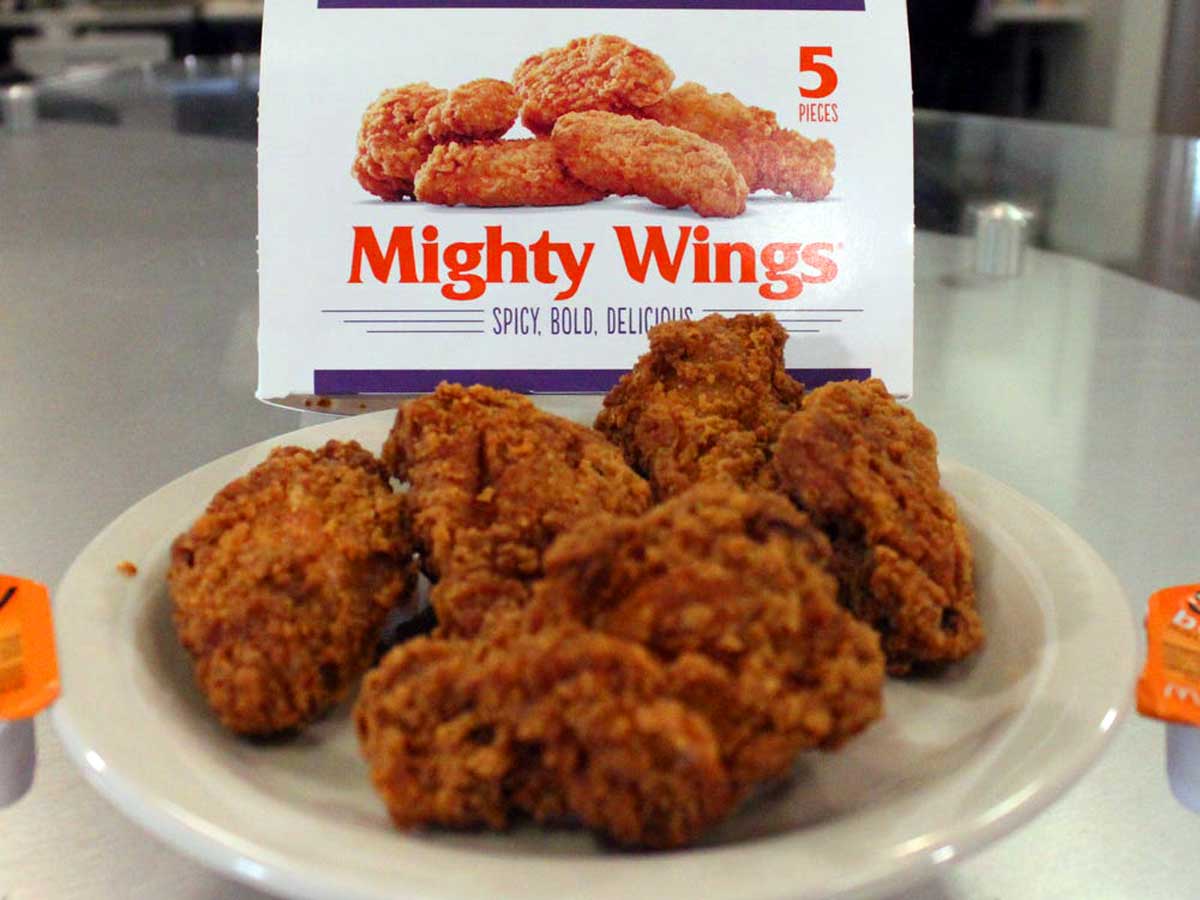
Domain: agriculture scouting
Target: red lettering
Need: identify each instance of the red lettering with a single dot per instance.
(462, 259)
(399, 254)
(497, 248)
(816, 257)
(747, 273)
(778, 261)
(638, 265)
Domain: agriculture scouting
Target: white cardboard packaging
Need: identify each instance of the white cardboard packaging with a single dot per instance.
(324, 333)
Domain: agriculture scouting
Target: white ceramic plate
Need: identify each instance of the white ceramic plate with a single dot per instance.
(956, 762)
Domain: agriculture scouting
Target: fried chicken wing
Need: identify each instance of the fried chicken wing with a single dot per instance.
(866, 470)
(280, 589)
(767, 155)
(728, 589)
(565, 723)
(499, 173)
(393, 140)
(707, 401)
(478, 110)
(493, 480)
(601, 72)
(622, 155)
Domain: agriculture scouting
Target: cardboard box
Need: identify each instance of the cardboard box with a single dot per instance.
(361, 294)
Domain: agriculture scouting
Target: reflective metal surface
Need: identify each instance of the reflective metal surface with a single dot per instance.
(1001, 233)
(19, 103)
(1127, 202)
(217, 97)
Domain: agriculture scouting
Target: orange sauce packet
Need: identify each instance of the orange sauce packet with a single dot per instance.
(1169, 688)
(28, 662)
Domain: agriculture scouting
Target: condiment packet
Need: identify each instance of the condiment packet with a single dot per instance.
(1169, 688)
(28, 662)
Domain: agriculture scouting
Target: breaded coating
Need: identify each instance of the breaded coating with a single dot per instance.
(493, 480)
(602, 72)
(280, 589)
(866, 470)
(728, 589)
(482, 109)
(394, 141)
(499, 173)
(707, 401)
(561, 724)
(669, 166)
(767, 155)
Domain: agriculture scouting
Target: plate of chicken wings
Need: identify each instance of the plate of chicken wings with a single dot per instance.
(712, 629)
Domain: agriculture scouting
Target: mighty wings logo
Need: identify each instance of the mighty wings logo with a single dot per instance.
(463, 270)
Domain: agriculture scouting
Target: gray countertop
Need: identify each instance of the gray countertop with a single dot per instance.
(127, 339)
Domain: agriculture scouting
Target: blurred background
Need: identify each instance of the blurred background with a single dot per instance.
(1133, 65)
(1084, 113)
(42, 38)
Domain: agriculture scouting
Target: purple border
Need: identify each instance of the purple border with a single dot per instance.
(340, 382)
(809, 5)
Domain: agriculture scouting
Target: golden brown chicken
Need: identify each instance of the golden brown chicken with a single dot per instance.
(728, 589)
(280, 589)
(866, 470)
(707, 401)
(493, 480)
(559, 725)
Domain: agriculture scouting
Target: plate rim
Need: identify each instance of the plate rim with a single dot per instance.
(266, 868)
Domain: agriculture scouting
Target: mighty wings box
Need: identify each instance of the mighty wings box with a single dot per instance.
(514, 193)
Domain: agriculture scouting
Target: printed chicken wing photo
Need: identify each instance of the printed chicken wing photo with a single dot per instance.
(393, 140)
(500, 173)
(767, 155)
(668, 166)
(482, 109)
(602, 72)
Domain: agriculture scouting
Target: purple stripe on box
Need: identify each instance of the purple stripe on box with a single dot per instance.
(328, 382)
(810, 5)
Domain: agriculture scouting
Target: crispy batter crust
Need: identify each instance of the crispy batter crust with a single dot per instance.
(672, 167)
(501, 173)
(563, 723)
(707, 401)
(279, 590)
(482, 109)
(602, 72)
(394, 141)
(728, 589)
(866, 470)
(493, 481)
(766, 155)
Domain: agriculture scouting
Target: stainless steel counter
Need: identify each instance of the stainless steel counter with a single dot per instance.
(127, 339)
